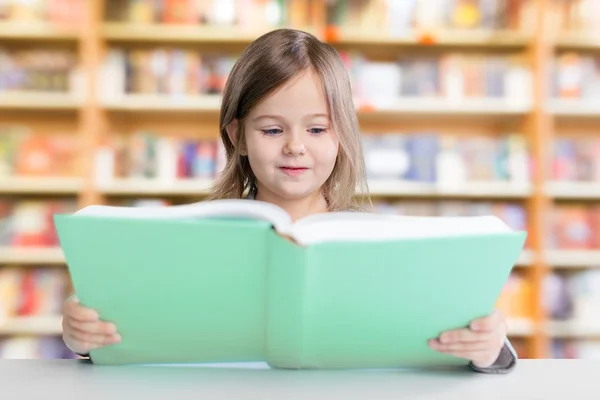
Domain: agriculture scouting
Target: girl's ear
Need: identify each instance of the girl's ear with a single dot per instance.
(233, 131)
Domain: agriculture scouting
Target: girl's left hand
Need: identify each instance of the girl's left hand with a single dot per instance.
(481, 343)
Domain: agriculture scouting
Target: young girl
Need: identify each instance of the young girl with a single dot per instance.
(292, 138)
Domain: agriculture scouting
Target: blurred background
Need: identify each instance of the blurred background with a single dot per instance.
(467, 107)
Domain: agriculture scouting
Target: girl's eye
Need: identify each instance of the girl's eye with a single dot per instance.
(271, 132)
(317, 131)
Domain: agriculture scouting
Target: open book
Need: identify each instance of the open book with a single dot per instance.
(324, 227)
(220, 282)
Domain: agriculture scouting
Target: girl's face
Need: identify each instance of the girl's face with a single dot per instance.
(291, 146)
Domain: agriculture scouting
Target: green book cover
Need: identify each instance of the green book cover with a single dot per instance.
(236, 280)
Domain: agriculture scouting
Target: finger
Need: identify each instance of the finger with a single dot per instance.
(97, 328)
(459, 346)
(74, 310)
(465, 336)
(93, 339)
(470, 355)
(79, 345)
(487, 323)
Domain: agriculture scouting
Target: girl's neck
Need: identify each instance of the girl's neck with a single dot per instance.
(297, 208)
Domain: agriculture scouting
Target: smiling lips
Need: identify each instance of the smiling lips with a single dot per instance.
(293, 171)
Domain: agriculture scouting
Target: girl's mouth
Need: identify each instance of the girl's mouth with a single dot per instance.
(293, 171)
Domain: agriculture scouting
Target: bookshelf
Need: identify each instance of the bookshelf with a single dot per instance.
(573, 258)
(32, 255)
(499, 38)
(133, 103)
(94, 115)
(50, 185)
(32, 326)
(150, 33)
(38, 32)
(38, 101)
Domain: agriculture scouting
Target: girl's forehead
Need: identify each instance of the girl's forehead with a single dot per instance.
(304, 93)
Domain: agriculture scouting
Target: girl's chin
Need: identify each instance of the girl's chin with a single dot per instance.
(292, 194)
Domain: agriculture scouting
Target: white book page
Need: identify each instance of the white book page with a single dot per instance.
(355, 226)
(233, 208)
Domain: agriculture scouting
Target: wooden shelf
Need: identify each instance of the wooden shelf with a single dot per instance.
(525, 259)
(41, 326)
(38, 101)
(573, 258)
(453, 38)
(40, 185)
(472, 190)
(133, 187)
(423, 107)
(164, 33)
(36, 31)
(572, 329)
(573, 190)
(577, 41)
(573, 108)
(125, 32)
(158, 103)
(523, 327)
(32, 255)
(377, 188)
(519, 327)
(402, 107)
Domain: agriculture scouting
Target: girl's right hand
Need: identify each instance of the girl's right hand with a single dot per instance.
(83, 330)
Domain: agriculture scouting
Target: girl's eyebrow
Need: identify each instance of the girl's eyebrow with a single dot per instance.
(267, 116)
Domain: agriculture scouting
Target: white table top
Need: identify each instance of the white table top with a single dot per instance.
(76, 379)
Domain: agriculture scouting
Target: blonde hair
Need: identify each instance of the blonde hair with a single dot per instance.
(269, 62)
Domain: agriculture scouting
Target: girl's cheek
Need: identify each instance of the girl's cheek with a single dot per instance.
(327, 146)
(331, 149)
(328, 155)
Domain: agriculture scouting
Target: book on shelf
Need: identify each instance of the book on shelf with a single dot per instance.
(577, 16)
(31, 292)
(576, 76)
(166, 71)
(583, 349)
(27, 153)
(447, 160)
(61, 13)
(575, 227)
(160, 158)
(396, 18)
(451, 78)
(330, 290)
(30, 223)
(576, 159)
(39, 70)
(515, 300)
(26, 347)
(242, 15)
(454, 78)
(443, 160)
(573, 299)
(584, 287)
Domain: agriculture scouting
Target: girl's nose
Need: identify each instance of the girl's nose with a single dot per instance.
(293, 146)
